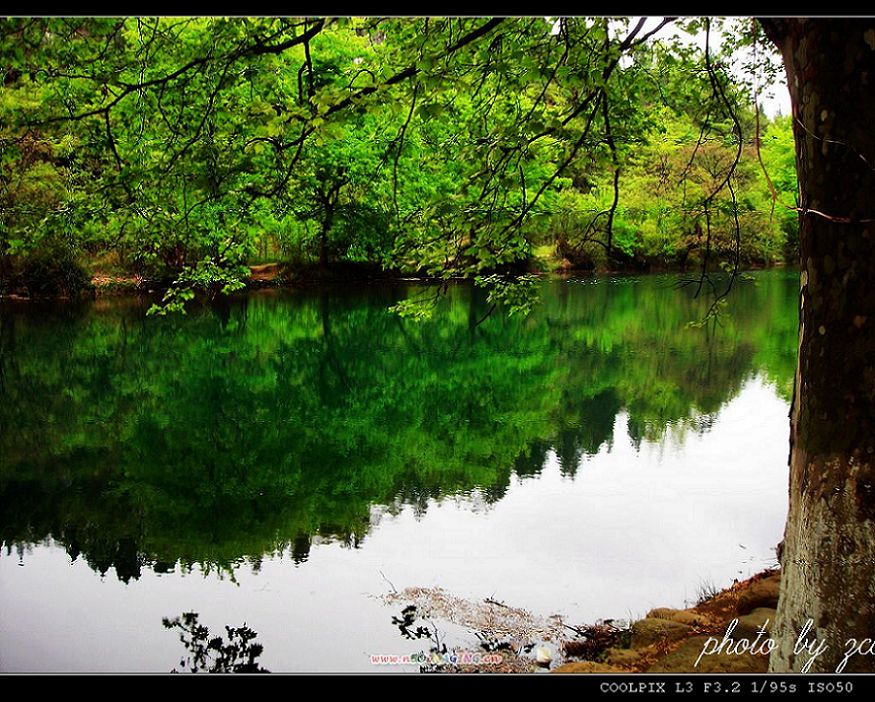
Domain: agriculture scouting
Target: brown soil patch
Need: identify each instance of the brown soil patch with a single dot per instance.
(265, 272)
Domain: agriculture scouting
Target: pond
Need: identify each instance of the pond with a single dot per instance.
(284, 459)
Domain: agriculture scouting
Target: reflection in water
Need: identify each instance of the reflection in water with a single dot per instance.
(460, 658)
(212, 654)
(276, 421)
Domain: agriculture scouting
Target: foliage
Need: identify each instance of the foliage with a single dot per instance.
(206, 274)
(518, 294)
(189, 147)
(779, 162)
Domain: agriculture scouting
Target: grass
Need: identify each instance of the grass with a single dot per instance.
(706, 590)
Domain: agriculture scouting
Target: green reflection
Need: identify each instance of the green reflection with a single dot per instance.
(249, 427)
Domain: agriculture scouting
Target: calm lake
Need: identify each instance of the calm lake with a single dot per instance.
(286, 458)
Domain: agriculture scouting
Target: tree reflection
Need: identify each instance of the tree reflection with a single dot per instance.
(213, 654)
(252, 427)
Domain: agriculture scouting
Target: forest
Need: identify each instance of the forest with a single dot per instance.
(177, 152)
(526, 172)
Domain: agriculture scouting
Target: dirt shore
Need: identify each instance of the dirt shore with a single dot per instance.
(688, 640)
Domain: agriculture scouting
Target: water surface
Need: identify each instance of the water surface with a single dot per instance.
(285, 458)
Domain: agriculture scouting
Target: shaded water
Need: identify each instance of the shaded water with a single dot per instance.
(280, 458)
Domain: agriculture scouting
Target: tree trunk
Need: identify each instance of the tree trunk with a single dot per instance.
(828, 560)
(327, 221)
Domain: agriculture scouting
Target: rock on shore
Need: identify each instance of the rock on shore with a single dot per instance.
(673, 640)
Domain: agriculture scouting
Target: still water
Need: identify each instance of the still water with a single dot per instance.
(286, 458)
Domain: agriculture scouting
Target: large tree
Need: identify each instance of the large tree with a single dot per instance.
(828, 560)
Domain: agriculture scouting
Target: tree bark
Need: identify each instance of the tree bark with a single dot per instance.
(828, 560)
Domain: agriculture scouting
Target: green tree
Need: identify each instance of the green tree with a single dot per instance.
(543, 104)
(449, 146)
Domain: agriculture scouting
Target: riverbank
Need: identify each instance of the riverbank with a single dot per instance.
(673, 640)
(102, 281)
(725, 632)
